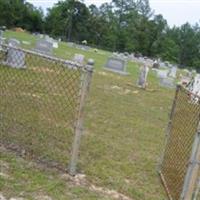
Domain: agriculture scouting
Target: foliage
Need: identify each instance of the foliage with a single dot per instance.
(121, 25)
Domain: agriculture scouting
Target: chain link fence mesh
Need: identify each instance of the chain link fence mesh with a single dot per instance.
(39, 102)
(182, 130)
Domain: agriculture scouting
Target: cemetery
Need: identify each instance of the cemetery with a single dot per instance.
(78, 121)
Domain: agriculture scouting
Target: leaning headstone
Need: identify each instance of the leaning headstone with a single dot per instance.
(44, 47)
(144, 70)
(116, 65)
(79, 58)
(13, 42)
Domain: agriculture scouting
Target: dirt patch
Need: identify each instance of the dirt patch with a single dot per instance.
(81, 180)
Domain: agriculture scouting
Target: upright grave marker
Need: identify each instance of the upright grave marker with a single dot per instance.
(79, 58)
(144, 70)
(44, 47)
(116, 65)
(15, 57)
(172, 72)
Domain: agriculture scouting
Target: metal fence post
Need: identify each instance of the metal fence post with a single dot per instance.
(193, 168)
(86, 79)
(168, 129)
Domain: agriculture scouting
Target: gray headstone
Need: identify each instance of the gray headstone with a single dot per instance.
(2, 41)
(167, 82)
(172, 72)
(13, 42)
(144, 70)
(116, 65)
(15, 58)
(162, 73)
(79, 58)
(45, 47)
(1, 33)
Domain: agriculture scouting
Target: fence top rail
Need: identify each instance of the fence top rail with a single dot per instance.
(52, 58)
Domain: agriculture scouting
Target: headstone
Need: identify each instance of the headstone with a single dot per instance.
(15, 58)
(26, 42)
(162, 73)
(45, 47)
(155, 64)
(55, 44)
(144, 70)
(167, 82)
(2, 41)
(116, 65)
(13, 42)
(90, 61)
(79, 58)
(194, 85)
(172, 72)
(41, 36)
(1, 33)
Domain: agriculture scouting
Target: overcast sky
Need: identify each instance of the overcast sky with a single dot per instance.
(177, 12)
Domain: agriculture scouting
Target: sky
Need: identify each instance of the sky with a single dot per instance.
(176, 12)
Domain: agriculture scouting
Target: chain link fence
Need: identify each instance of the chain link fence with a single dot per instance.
(41, 105)
(180, 163)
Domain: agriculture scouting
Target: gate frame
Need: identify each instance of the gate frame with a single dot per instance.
(191, 176)
(193, 168)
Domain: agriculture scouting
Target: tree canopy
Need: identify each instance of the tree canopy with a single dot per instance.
(122, 25)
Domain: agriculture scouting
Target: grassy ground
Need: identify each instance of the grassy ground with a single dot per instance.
(124, 132)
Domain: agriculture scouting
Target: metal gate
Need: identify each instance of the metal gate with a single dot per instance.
(179, 168)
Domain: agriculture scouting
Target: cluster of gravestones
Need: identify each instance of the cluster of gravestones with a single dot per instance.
(80, 59)
(117, 63)
(79, 46)
(45, 45)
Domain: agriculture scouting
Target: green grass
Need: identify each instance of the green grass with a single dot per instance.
(23, 179)
(124, 129)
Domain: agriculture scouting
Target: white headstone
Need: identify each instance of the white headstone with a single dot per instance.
(144, 70)
(13, 42)
(172, 72)
(55, 44)
(194, 86)
(79, 58)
